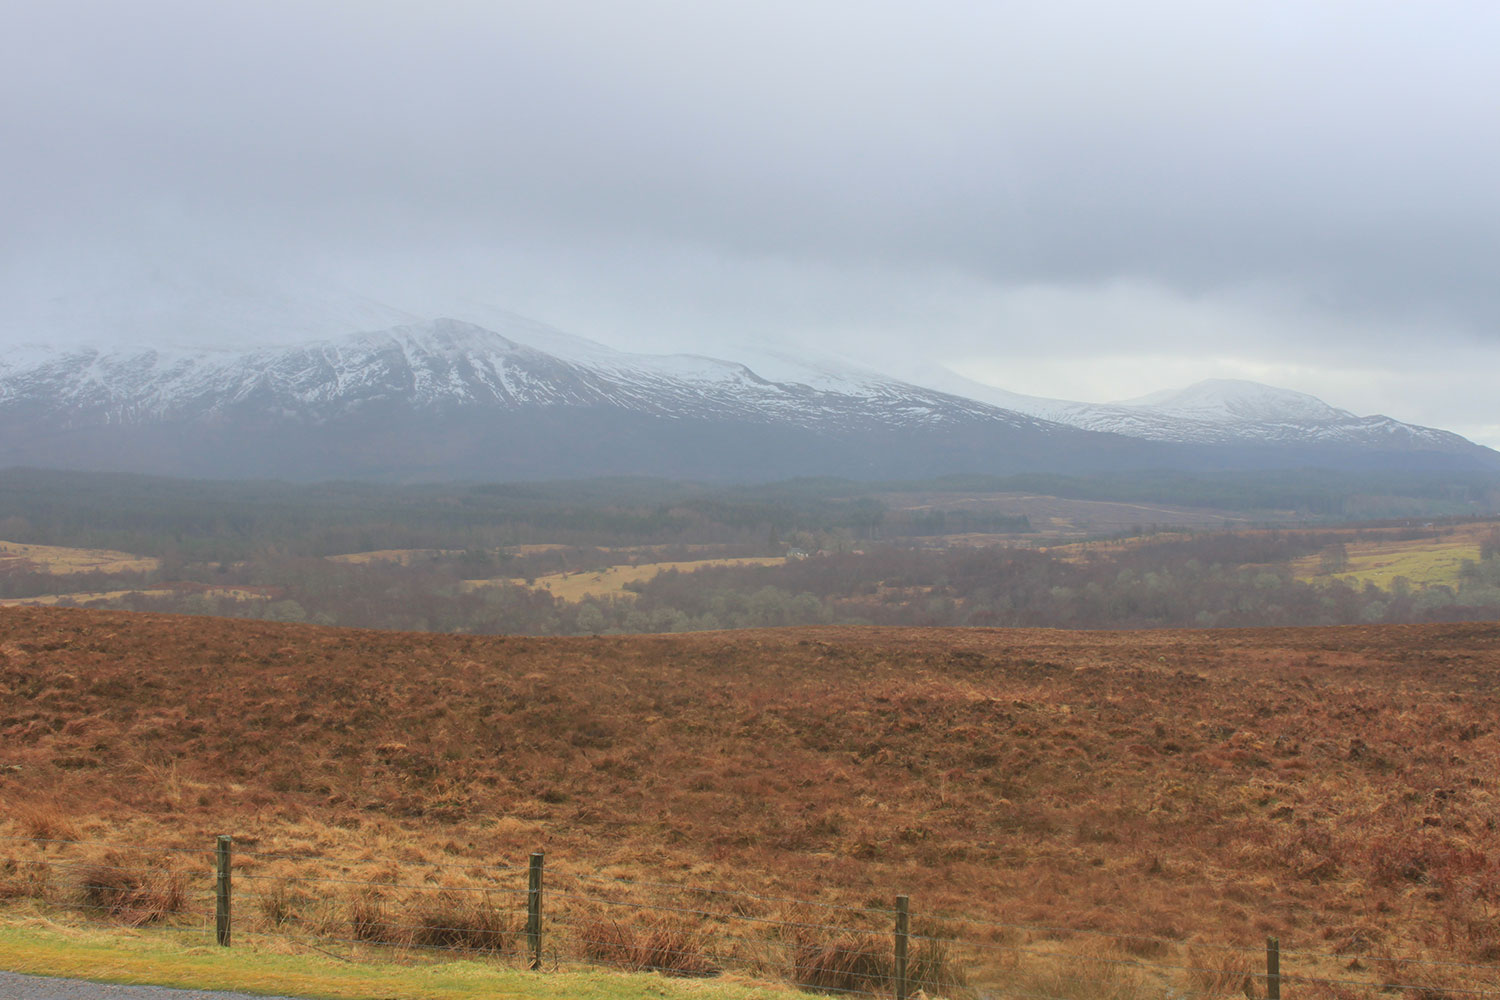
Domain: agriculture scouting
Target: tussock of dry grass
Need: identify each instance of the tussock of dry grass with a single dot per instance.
(847, 964)
(1088, 974)
(457, 922)
(652, 944)
(862, 963)
(24, 881)
(371, 921)
(44, 821)
(130, 890)
(1216, 972)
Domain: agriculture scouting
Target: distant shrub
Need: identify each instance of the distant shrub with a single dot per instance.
(1489, 548)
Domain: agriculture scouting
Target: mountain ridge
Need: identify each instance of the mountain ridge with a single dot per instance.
(450, 397)
(1220, 411)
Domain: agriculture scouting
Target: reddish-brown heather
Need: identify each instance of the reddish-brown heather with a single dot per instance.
(1337, 786)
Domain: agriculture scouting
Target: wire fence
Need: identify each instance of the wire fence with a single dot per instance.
(546, 917)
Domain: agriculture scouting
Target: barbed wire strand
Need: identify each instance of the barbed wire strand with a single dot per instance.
(1161, 966)
(323, 880)
(1290, 977)
(85, 865)
(716, 916)
(792, 947)
(425, 926)
(495, 866)
(680, 909)
(740, 893)
(557, 921)
(1125, 936)
(209, 851)
(1404, 960)
(392, 900)
(46, 864)
(147, 914)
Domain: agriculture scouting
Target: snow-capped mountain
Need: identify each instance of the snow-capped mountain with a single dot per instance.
(448, 365)
(449, 398)
(1221, 412)
(514, 399)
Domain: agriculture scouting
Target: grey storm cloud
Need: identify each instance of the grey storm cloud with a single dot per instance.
(842, 165)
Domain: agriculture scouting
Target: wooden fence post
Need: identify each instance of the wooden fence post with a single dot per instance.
(903, 930)
(1273, 968)
(534, 910)
(221, 890)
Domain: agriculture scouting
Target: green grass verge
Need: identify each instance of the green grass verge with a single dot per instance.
(164, 958)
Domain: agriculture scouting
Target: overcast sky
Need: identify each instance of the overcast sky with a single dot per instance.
(1090, 200)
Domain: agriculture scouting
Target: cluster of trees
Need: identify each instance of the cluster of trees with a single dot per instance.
(218, 540)
(1207, 580)
(207, 521)
(198, 521)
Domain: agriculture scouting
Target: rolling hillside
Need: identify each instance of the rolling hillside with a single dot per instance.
(1335, 786)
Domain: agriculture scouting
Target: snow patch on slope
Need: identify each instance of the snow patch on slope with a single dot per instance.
(1227, 400)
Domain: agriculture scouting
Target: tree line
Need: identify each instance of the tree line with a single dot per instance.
(1203, 580)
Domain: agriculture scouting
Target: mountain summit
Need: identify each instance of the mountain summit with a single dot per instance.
(450, 399)
(1229, 412)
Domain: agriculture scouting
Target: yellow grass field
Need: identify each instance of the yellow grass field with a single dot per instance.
(64, 561)
(611, 582)
(1058, 517)
(1079, 552)
(1423, 562)
(408, 556)
(48, 600)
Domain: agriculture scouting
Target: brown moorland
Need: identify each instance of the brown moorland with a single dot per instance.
(1336, 786)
